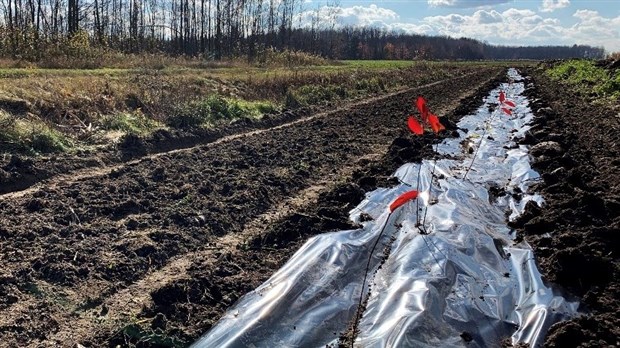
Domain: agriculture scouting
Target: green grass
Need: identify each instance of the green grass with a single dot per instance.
(587, 78)
(216, 109)
(319, 94)
(28, 136)
(233, 70)
(316, 94)
(130, 122)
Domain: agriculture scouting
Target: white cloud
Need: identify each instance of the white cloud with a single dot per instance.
(587, 15)
(552, 5)
(594, 29)
(343, 16)
(525, 27)
(484, 17)
(359, 16)
(515, 14)
(366, 15)
(510, 27)
(466, 3)
(441, 2)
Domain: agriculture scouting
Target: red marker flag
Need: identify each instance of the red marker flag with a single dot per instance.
(502, 96)
(421, 104)
(507, 111)
(509, 103)
(402, 199)
(415, 126)
(435, 124)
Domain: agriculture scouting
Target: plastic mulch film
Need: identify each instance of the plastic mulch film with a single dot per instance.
(460, 281)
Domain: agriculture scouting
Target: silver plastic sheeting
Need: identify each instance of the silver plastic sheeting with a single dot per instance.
(458, 280)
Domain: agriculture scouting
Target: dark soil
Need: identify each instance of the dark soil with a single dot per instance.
(153, 252)
(18, 172)
(87, 260)
(576, 234)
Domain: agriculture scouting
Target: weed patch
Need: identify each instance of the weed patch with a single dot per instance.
(587, 78)
(27, 136)
(372, 85)
(129, 122)
(48, 140)
(155, 337)
(215, 110)
(272, 57)
(316, 94)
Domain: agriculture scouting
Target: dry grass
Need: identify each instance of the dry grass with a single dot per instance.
(80, 104)
(99, 58)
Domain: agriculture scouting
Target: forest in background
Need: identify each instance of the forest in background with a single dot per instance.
(36, 30)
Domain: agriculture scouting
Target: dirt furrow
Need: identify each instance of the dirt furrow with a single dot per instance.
(575, 233)
(18, 173)
(129, 302)
(144, 229)
(93, 172)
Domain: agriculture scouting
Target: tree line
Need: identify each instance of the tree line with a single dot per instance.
(227, 28)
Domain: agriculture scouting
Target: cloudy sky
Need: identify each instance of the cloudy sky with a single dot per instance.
(505, 22)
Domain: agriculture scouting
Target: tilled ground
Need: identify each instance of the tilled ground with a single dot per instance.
(151, 253)
(576, 234)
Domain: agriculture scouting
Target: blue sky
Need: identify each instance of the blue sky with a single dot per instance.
(505, 22)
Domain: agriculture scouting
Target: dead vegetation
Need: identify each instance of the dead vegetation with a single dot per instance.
(72, 109)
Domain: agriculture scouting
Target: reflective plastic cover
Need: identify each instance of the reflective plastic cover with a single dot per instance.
(456, 279)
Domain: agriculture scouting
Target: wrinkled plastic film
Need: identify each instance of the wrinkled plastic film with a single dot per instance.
(458, 280)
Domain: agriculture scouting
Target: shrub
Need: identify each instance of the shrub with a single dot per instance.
(274, 58)
(291, 100)
(373, 84)
(9, 136)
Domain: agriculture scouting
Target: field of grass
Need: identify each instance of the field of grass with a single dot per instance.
(81, 107)
(88, 107)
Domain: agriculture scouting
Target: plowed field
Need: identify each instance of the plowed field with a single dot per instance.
(151, 251)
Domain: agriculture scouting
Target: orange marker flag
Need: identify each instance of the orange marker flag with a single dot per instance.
(415, 126)
(402, 199)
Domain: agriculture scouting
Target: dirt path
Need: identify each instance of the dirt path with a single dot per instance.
(153, 251)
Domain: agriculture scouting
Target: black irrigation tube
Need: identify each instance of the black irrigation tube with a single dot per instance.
(358, 313)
